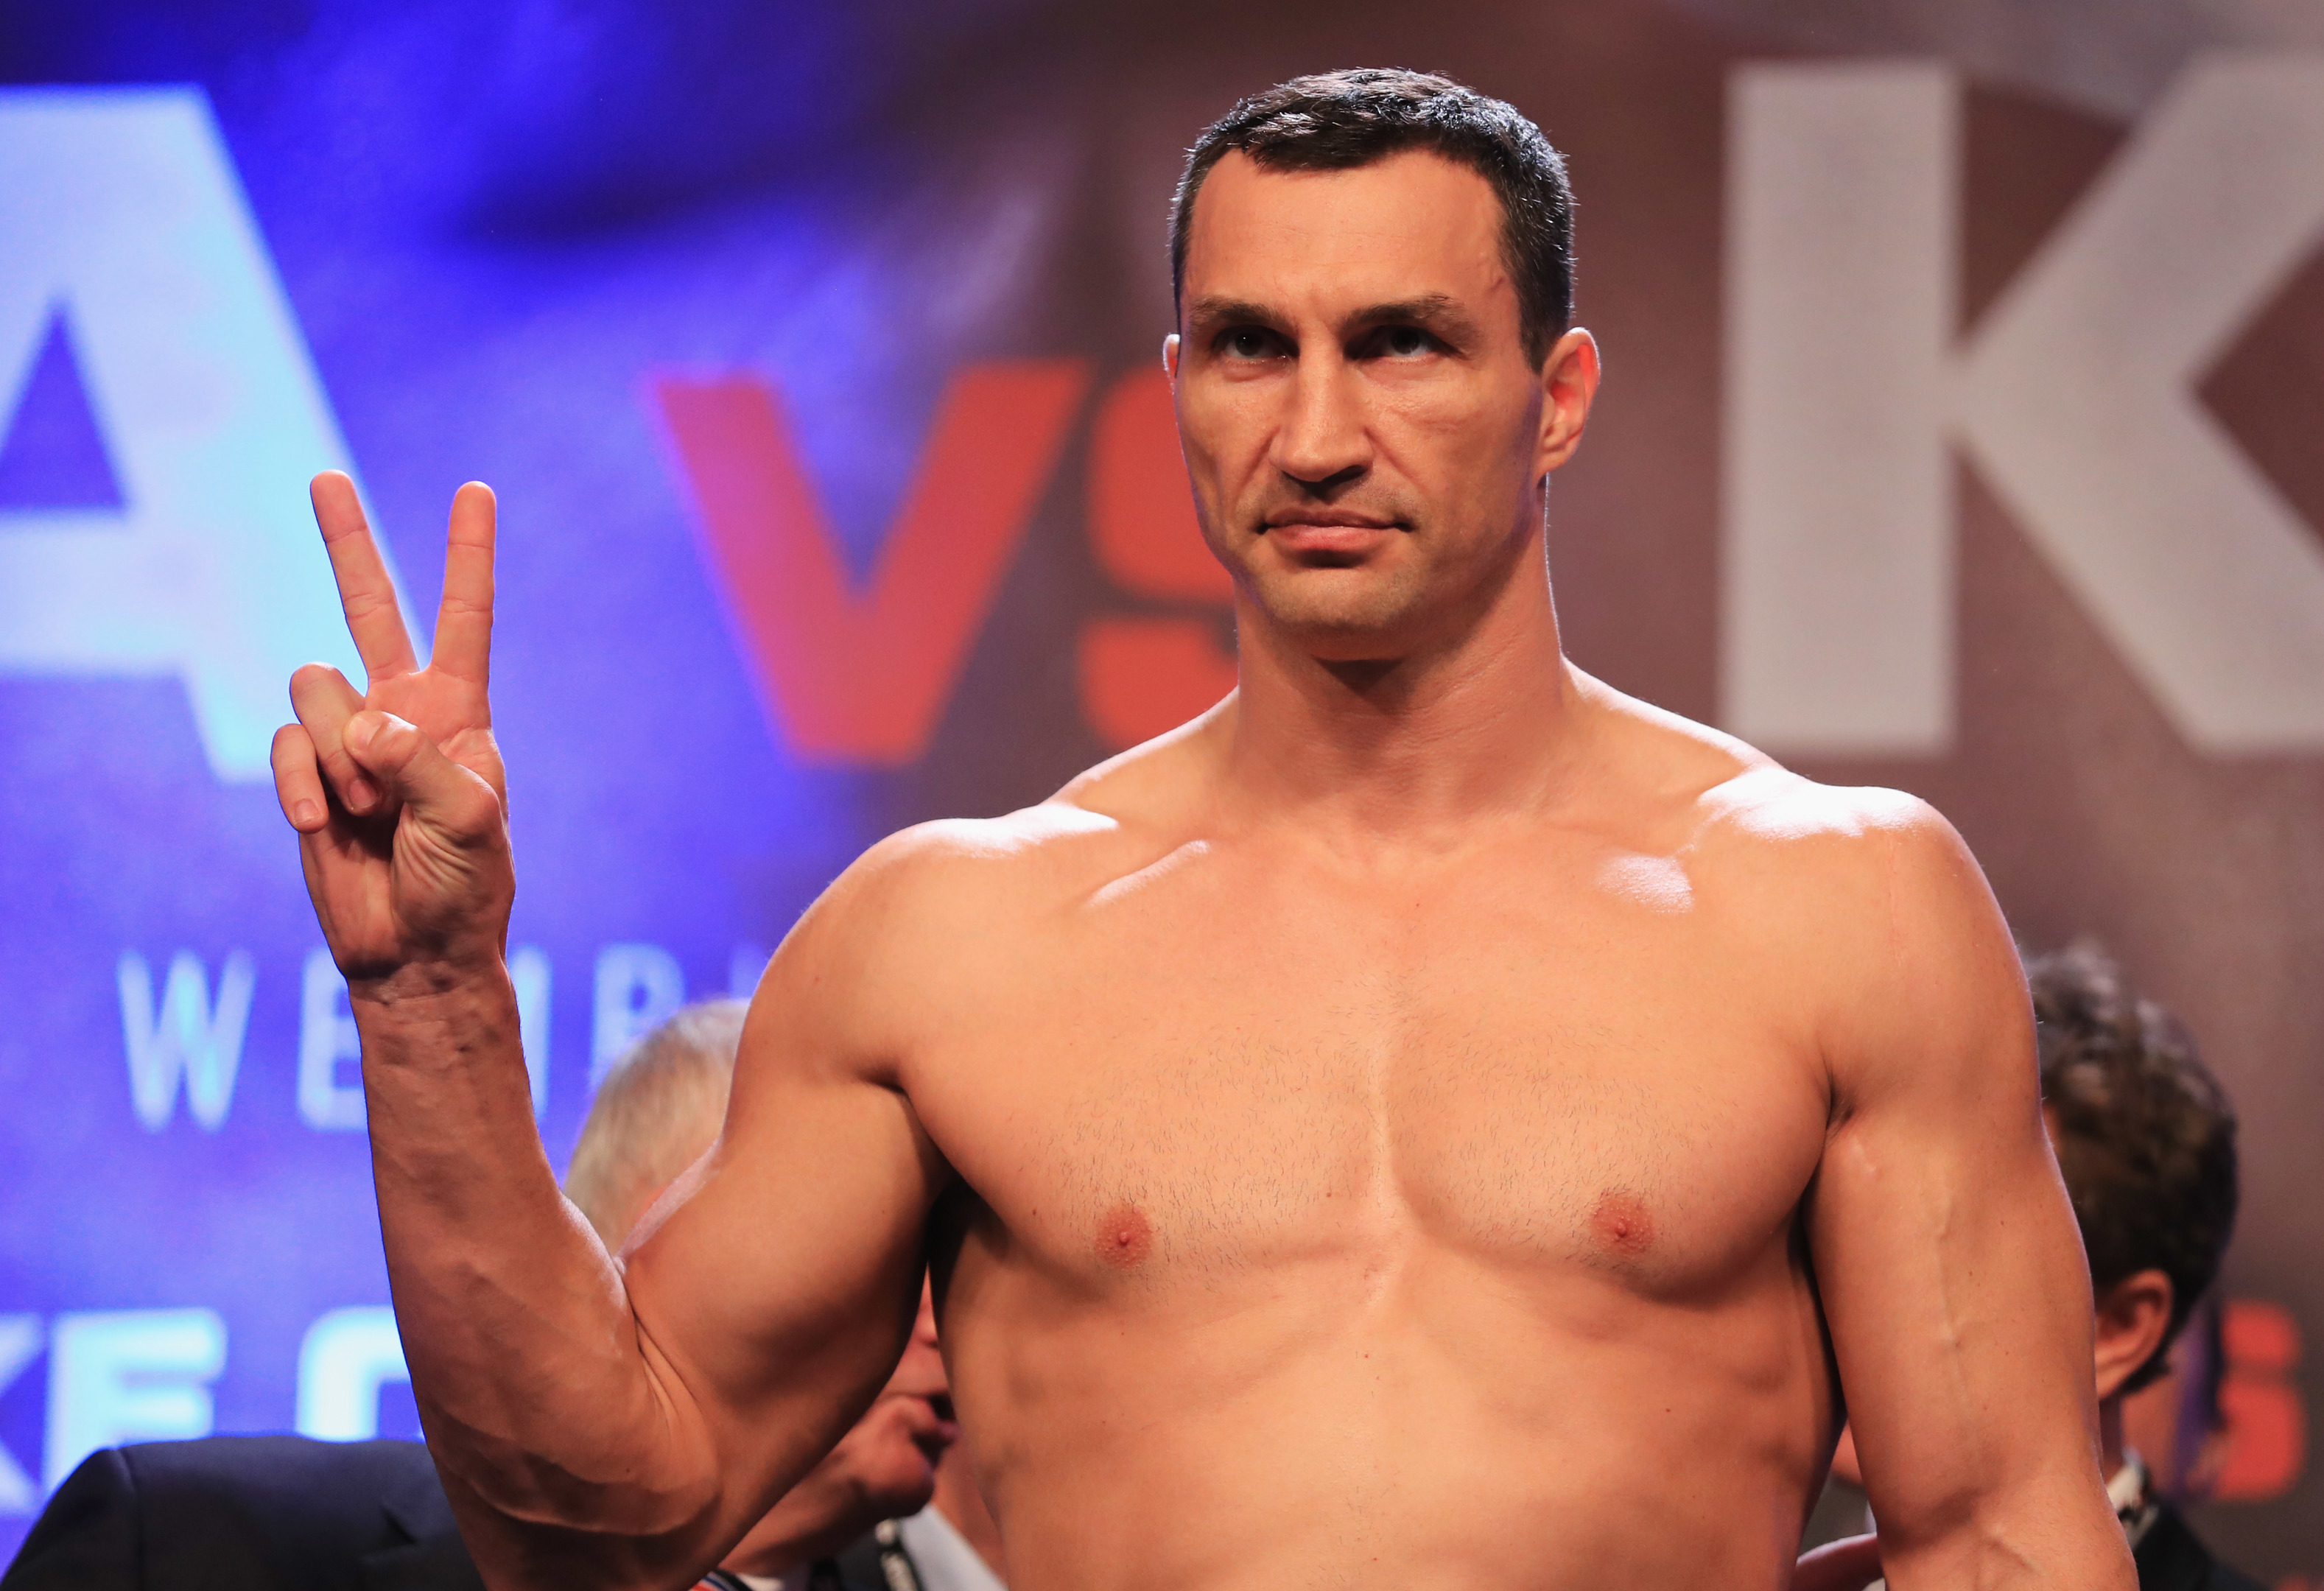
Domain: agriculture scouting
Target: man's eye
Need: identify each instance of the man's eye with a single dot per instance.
(1246, 343)
(1405, 342)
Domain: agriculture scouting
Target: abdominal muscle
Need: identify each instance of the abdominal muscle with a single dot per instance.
(1415, 1419)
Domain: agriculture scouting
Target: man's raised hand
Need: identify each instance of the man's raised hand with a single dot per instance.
(397, 790)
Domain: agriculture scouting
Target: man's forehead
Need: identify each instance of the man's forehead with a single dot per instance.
(1411, 225)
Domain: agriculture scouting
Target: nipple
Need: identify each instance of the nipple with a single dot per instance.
(1123, 1237)
(1621, 1223)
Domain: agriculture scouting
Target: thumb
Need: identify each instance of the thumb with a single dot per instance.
(415, 773)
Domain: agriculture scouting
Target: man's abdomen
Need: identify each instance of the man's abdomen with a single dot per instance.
(1424, 1417)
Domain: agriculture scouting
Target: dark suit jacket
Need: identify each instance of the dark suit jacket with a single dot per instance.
(2172, 1558)
(255, 1514)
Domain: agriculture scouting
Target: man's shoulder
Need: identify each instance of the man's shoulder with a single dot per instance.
(1768, 820)
(936, 919)
(936, 875)
(1050, 853)
(1818, 878)
(1726, 800)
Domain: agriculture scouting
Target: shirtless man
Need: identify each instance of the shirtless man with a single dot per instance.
(1433, 1121)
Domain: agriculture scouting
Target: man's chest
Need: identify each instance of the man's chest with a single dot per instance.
(1211, 1073)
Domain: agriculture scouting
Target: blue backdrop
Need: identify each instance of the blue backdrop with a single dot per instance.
(426, 243)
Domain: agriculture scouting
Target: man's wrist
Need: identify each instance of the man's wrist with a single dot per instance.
(433, 991)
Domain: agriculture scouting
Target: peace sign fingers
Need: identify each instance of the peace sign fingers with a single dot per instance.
(464, 623)
(367, 595)
(397, 789)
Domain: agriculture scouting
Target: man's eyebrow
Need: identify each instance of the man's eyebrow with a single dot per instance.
(1437, 310)
(1214, 311)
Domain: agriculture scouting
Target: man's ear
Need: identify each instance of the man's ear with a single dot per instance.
(2132, 1315)
(1569, 384)
(1170, 356)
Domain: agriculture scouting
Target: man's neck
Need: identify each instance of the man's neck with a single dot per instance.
(1414, 746)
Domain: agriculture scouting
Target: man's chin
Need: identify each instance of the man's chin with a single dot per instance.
(885, 1502)
(896, 1504)
(1343, 639)
(1339, 615)
(905, 1485)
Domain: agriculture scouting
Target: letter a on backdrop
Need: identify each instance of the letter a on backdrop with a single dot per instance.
(124, 231)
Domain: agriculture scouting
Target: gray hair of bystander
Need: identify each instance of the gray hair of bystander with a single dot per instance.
(655, 1113)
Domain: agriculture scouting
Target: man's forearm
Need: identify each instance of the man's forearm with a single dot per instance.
(2029, 1537)
(524, 1356)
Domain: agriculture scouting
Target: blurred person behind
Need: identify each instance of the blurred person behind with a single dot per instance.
(254, 1512)
(289, 1513)
(2175, 1422)
(2146, 1139)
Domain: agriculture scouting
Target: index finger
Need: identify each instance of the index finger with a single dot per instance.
(464, 622)
(367, 595)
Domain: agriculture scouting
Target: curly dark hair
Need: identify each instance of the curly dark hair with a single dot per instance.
(2146, 1137)
(1335, 121)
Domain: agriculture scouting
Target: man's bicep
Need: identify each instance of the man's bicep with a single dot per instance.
(1950, 1270)
(1953, 1283)
(777, 1292)
(778, 1279)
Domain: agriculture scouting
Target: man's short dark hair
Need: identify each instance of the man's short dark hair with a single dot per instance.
(2146, 1136)
(1335, 121)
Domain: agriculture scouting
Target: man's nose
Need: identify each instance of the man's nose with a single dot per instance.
(1324, 443)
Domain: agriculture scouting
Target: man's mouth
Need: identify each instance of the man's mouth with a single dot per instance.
(1289, 519)
(1324, 530)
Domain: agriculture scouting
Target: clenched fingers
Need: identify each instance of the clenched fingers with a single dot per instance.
(410, 768)
(323, 700)
(298, 781)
